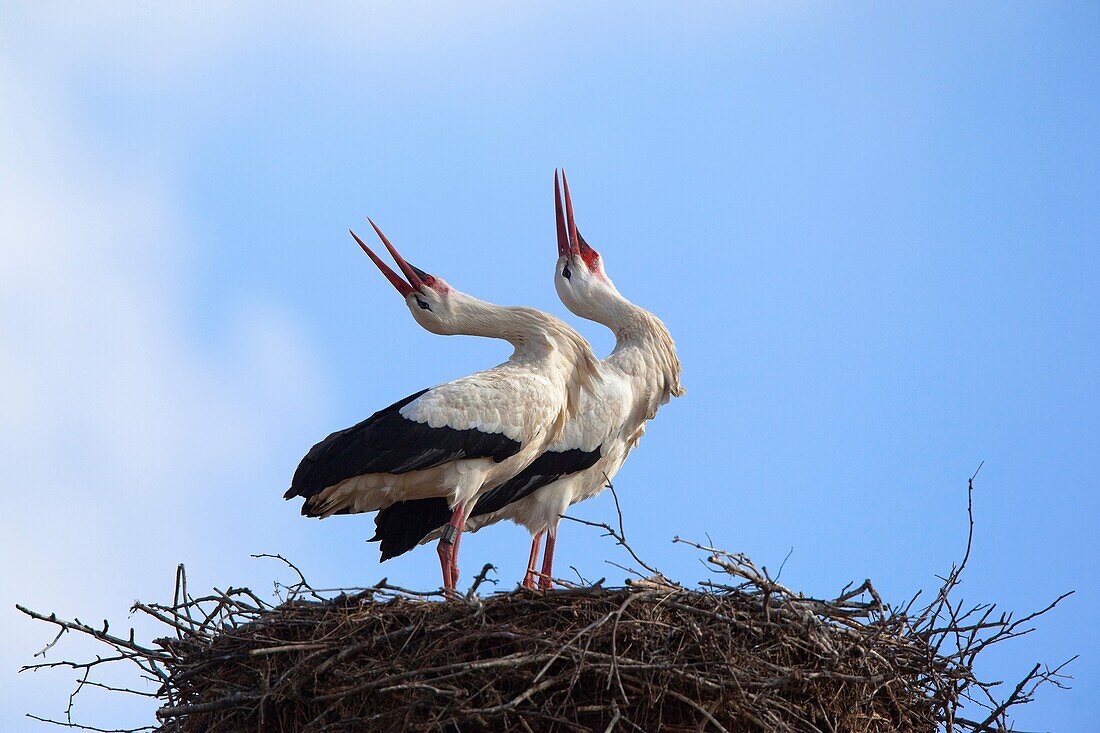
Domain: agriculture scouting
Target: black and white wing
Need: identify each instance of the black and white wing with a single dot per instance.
(410, 435)
(402, 526)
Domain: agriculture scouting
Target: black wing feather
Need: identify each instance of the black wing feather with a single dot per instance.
(402, 526)
(387, 442)
(545, 470)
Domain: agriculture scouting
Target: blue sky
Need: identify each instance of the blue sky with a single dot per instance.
(872, 230)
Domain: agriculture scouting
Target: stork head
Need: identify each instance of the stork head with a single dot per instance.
(580, 280)
(433, 303)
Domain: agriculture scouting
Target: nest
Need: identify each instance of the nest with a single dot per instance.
(650, 658)
(743, 654)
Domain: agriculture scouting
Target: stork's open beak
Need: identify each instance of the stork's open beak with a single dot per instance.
(570, 241)
(417, 278)
(564, 250)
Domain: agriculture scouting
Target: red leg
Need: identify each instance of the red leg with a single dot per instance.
(529, 578)
(545, 582)
(447, 546)
(454, 557)
(444, 552)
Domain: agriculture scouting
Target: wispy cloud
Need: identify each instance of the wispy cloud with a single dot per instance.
(130, 439)
(120, 428)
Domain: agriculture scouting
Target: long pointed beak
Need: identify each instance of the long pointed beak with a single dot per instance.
(402, 287)
(574, 242)
(564, 250)
(410, 272)
(567, 228)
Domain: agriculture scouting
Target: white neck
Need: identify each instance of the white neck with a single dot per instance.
(532, 333)
(541, 341)
(629, 322)
(644, 350)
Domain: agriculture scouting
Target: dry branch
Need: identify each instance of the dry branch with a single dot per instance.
(743, 653)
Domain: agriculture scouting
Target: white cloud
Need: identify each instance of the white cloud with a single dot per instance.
(119, 430)
(127, 444)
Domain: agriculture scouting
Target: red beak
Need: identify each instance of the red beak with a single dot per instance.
(574, 243)
(393, 277)
(564, 250)
(410, 272)
(569, 239)
(414, 277)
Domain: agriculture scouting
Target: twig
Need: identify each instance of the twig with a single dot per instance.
(479, 579)
(738, 650)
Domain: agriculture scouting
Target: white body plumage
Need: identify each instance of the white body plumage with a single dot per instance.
(642, 373)
(639, 376)
(457, 439)
(518, 408)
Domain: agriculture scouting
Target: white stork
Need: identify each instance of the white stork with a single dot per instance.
(641, 374)
(456, 440)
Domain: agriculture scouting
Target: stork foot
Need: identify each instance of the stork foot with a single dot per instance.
(546, 579)
(447, 549)
(454, 558)
(443, 549)
(529, 576)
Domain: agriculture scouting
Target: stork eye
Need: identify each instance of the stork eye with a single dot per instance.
(567, 273)
(423, 304)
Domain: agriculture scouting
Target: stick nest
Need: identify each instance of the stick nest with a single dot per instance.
(743, 654)
(651, 658)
